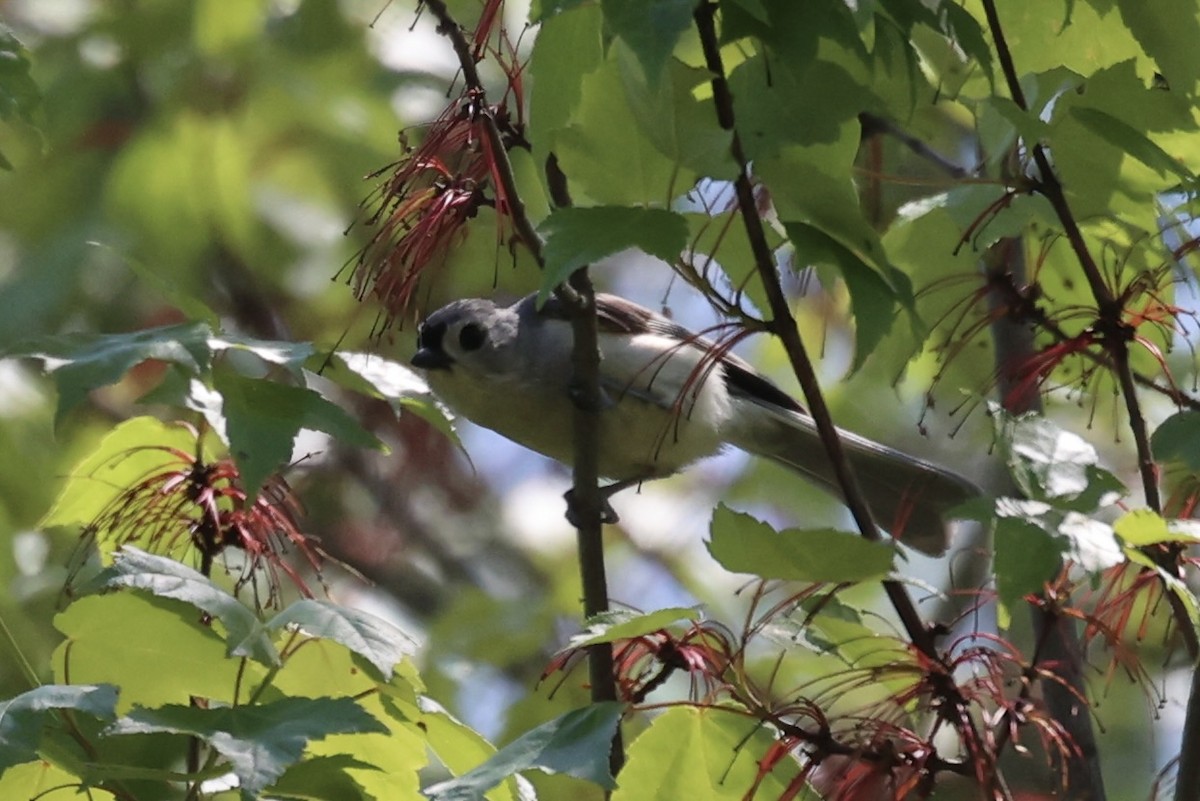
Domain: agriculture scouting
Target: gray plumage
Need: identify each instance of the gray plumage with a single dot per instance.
(672, 398)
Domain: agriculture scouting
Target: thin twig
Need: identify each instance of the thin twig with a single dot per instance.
(1108, 307)
(578, 297)
(586, 499)
(874, 124)
(783, 325)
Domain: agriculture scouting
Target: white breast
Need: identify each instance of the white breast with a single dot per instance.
(665, 407)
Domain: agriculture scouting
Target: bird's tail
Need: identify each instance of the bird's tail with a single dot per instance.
(909, 497)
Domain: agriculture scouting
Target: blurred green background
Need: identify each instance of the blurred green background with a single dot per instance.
(207, 159)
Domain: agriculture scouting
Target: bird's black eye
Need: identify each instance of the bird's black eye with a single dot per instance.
(471, 337)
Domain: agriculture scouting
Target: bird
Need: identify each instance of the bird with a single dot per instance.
(670, 398)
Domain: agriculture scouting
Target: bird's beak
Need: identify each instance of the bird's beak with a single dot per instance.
(431, 359)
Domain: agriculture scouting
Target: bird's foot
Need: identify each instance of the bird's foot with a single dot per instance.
(608, 515)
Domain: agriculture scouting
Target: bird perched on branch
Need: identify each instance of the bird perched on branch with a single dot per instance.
(671, 397)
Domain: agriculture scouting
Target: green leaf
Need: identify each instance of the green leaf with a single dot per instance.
(568, 47)
(1026, 558)
(871, 299)
(134, 449)
(402, 387)
(814, 186)
(576, 743)
(166, 653)
(83, 362)
(264, 418)
(22, 719)
(1177, 439)
(651, 28)
(1132, 141)
(544, 10)
(289, 355)
(459, 747)
(746, 545)
(668, 114)
(178, 294)
(322, 668)
(1047, 462)
(832, 627)
(958, 24)
(622, 625)
(168, 578)
(371, 637)
(39, 779)
(604, 132)
(19, 95)
(1142, 527)
(260, 742)
(1168, 31)
(691, 753)
(576, 237)
(777, 109)
(323, 778)
(1091, 543)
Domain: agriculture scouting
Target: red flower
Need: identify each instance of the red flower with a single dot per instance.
(184, 504)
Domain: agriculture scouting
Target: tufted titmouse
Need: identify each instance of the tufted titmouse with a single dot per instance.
(672, 397)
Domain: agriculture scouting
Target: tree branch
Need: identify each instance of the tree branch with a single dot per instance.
(1108, 307)
(578, 297)
(783, 326)
(1058, 648)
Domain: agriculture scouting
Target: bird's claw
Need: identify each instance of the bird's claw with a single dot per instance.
(608, 515)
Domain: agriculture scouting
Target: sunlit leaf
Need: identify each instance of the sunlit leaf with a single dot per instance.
(576, 743)
(323, 778)
(568, 47)
(650, 28)
(1091, 543)
(622, 625)
(290, 355)
(746, 545)
(1129, 139)
(166, 654)
(130, 451)
(264, 417)
(459, 747)
(706, 753)
(576, 237)
(401, 386)
(603, 132)
(168, 578)
(83, 362)
(41, 779)
(1166, 30)
(1141, 527)
(23, 718)
(374, 639)
(1048, 462)
(259, 742)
